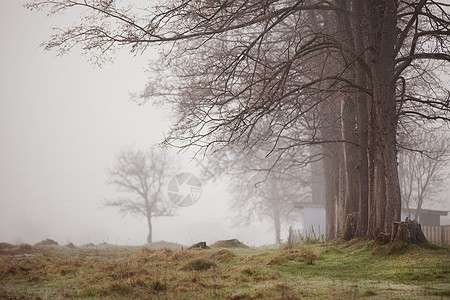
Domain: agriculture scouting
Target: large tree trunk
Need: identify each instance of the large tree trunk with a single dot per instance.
(363, 118)
(350, 154)
(350, 158)
(393, 194)
(384, 199)
(332, 168)
(330, 193)
(366, 177)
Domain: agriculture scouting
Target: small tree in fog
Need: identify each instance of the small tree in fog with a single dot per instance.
(423, 172)
(272, 198)
(139, 177)
(267, 188)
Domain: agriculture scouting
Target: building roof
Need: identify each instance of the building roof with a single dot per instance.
(428, 211)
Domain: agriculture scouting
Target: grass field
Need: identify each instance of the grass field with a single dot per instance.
(340, 271)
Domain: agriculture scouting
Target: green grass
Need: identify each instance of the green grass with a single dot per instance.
(358, 269)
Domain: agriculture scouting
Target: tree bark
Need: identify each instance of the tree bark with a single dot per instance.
(366, 177)
(330, 178)
(332, 168)
(385, 205)
(349, 230)
(362, 113)
(350, 158)
(350, 152)
(409, 232)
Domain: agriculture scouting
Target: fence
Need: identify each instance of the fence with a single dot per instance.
(434, 233)
(437, 234)
(309, 237)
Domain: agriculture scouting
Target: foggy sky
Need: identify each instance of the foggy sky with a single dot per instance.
(61, 122)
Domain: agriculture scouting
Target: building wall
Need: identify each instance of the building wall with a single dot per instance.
(314, 221)
(425, 218)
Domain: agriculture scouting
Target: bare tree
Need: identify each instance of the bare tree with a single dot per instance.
(273, 199)
(140, 176)
(262, 186)
(422, 171)
(262, 189)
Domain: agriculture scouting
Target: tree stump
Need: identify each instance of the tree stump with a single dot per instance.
(200, 245)
(350, 226)
(408, 231)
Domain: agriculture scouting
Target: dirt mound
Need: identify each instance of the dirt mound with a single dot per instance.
(200, 245)
(104, 244)
(47, 242)
(18, 250)
(6, 246)
(70, 245)
(233, 243)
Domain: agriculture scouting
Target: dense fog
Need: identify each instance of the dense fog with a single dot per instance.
(62, 120)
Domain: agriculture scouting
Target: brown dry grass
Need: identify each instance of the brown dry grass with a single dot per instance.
(142, 273)
(22, 249)
(292, 253)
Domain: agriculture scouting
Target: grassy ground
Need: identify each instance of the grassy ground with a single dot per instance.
(344, 271)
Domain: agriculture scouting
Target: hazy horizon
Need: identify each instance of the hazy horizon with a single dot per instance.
(62, 121)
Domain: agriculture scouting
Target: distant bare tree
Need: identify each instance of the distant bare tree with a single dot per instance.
(140, 177)
(273, 199)
(262, 187)
(423, 172)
